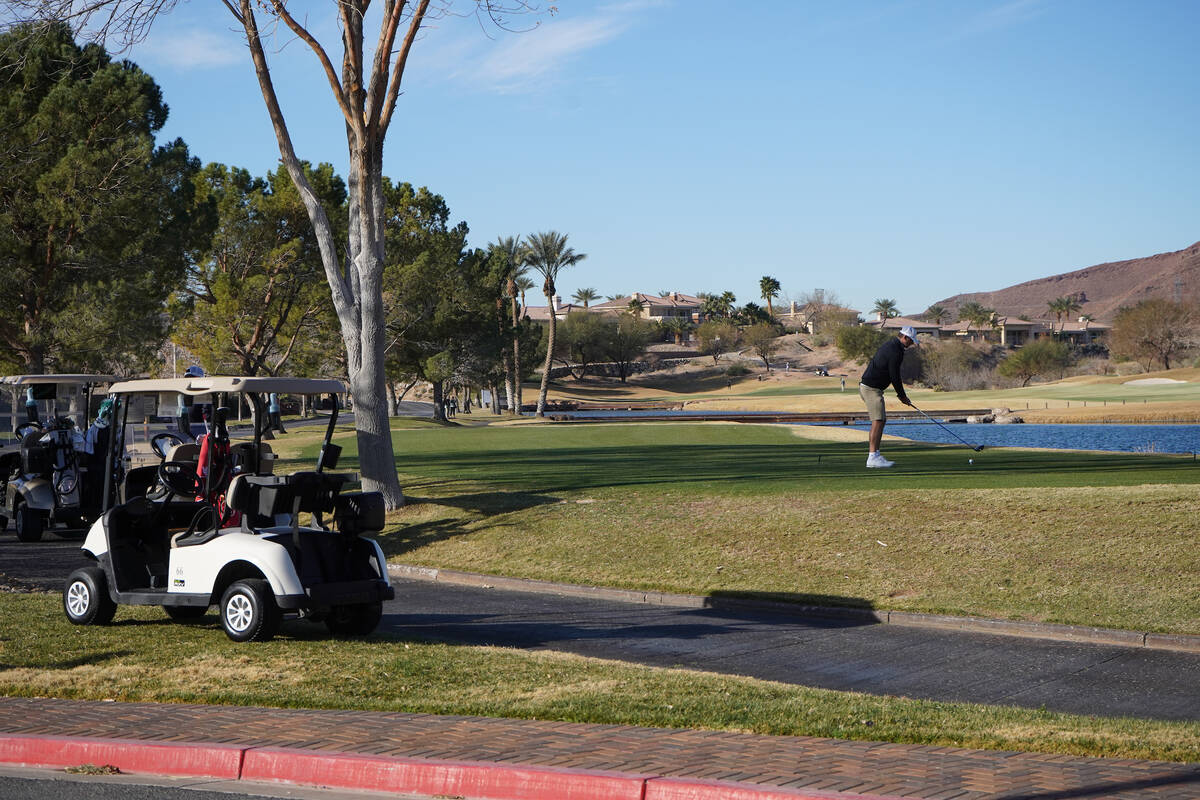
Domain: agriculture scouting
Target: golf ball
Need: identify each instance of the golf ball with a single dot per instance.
(970, 461)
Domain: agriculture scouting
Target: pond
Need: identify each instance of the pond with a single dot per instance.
(1113, 437)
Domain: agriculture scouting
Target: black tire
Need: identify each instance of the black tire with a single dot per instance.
(185, 613)
(85, 597)
(29, 524)
(3, 522)
(355, 620)
(249, 612)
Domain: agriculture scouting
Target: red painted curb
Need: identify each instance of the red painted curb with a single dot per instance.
(159, 758)
(488, 781)
(452, 778)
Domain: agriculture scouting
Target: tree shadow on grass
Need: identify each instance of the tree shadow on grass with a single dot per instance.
(478, 505)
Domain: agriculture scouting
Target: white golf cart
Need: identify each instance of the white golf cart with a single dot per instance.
(217, 527)
(50, 474)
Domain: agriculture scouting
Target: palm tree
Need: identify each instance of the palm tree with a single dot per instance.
(770, 289)
(727, 300)
(886, 309)
(936, 314)
(1057, 307)
(976, 314)
(585, 296)
(512, 248)
(635, 306)
(548, 254)
(679, 327)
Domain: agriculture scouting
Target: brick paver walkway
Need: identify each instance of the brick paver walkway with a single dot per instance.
(933, 773)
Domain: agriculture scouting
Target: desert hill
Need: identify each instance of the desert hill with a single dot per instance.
(1101, 289)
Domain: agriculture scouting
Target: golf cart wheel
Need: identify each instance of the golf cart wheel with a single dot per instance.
(359, 619)
(185, 613)
(249, 612)
(3, 522)
(85, 597)
(29, 524)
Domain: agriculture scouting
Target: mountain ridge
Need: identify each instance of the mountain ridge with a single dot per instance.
(1101, 289)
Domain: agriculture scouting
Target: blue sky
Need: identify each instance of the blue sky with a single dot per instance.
(903, 150)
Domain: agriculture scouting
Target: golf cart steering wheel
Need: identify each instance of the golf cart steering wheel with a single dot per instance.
(162, 442)
(180, 477)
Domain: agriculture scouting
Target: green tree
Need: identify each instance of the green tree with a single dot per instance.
(1155, 330)
(769, 288)
(885, 308)
(94, 218)
(448, 330)
(717, 336)
(585, 296)
(1040, 357)
(583, 340)
(752, 314)
(627, 342)
(763, 339)
(858, 342)
(548, 255)
(254, 294)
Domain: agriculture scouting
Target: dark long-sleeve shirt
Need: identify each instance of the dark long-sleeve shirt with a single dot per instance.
(884, 368)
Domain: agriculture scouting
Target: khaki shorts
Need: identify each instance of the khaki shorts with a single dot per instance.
(874, 399)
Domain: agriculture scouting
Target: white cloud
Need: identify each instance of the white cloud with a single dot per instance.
(521, 60)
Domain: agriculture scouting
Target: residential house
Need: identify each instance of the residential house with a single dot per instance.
(653, 307)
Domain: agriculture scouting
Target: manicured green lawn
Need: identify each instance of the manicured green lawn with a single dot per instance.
(749, 510)
(145, 657)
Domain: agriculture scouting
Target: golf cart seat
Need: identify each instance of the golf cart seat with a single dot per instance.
(261, 497)
(257, 461)
(36, 456)
(184, 451)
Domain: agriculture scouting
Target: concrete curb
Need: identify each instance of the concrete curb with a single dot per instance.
(380, 773)
(1032, 630)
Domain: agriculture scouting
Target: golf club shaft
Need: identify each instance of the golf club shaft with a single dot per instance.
(947, 430)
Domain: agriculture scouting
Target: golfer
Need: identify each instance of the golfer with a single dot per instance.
(884, 369)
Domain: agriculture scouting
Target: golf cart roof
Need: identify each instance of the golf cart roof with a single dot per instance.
(227, 384)
(77, 380)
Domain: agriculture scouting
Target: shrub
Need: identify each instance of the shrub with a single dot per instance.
(737, 370)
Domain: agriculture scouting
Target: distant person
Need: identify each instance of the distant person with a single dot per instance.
(273, 416)
(882, 370)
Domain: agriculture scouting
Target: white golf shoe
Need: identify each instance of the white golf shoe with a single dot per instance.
(877, 461)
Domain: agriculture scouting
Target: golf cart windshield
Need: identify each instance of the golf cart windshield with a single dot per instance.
(37, 399)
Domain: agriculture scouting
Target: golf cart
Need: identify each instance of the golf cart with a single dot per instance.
(216, 526)
(51, 474)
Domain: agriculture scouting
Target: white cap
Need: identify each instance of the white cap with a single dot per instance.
(910, 332)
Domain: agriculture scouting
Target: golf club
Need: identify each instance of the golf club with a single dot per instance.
(975, 447)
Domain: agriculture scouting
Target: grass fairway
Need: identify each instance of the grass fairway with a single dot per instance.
(1103, 539)
(145, 657)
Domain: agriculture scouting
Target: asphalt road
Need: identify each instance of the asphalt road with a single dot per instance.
(874, 658)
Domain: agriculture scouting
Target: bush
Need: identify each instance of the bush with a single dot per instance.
(858, 342)
(954, 366)
(737, 370)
